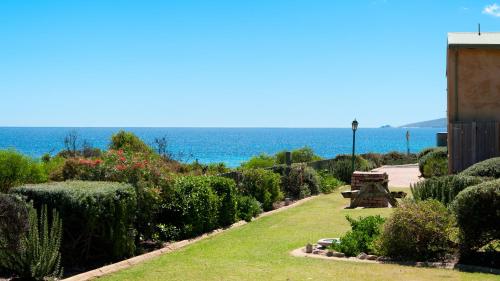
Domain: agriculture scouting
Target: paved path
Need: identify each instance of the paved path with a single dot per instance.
(401, 175)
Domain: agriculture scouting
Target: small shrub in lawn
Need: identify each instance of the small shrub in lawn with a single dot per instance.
(98, 217)
(37, 257)
(17, 169)
(477, 209)
(248, 208)
(263, 185)
(364, 231)
(487, 168)
(417, 231)
(434, 163)
(259, 161)
(298, 180)
(443, 189)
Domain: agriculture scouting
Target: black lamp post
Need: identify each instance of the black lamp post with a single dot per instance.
(354, 128)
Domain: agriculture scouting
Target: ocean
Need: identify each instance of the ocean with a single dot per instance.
(229, 145)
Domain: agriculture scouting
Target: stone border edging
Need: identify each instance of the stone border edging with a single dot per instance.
(300, 252)
(99, 272)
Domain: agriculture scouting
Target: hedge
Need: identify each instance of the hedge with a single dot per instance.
(488, 168)
(198, 204)
(443, 189)
(477, 209)
(97, 217)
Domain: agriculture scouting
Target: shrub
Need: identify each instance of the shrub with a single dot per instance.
(226, 190)
(38, 256)
(263, 185)
(298, 180)
(328, 182)
(434, 163)
(53, 167)
(248, 208)
(398, 158)
(443, 189)
(301, 155)
(342, 166)
(488, 168)
(477, 209)
(98, 217)
(191, 205)
(17, 169)
(375, 158)
(426, 151)
(360, 238)
(417, 231)
(13, 221)
(128, 141)
(260, 161)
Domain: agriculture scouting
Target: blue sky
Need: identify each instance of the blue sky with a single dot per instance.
(260, 63)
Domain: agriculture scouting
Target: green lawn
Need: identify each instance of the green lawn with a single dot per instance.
(260, 251)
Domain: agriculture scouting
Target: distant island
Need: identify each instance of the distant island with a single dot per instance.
(436, 123)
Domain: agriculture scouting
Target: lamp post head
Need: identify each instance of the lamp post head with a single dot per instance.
(354, 125)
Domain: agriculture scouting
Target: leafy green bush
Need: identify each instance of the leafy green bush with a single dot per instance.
(426, 151)
(226, 190)
(248, 207)
(328, 182)
(487, 168)
(38, 256)
(376, 159)
(259, 161)
(434, 163)
(13, 221)
(263, 185)
(298, 180)
(417, 231)
(53, 167)
(17, 169)
(342, 166)
(398, 158)
(365, 230)
(301, 155)
(192, 205)
(98, 217)
(477, 209)
(443, 189)
(128, 141)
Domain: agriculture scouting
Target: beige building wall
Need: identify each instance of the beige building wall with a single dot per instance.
(473, 84)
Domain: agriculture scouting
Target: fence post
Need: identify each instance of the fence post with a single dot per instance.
(288, 158)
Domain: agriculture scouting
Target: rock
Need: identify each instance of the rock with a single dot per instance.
(371, 257)
(329, 254)
(318, 252)
(338, 255)
(362, 256)
(309, 248)
(382, 258)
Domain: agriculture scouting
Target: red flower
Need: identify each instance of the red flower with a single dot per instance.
(120, 167)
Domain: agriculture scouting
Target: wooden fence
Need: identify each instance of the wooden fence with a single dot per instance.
(472, 142)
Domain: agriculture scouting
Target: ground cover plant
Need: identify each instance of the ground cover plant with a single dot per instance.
(261, 251)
